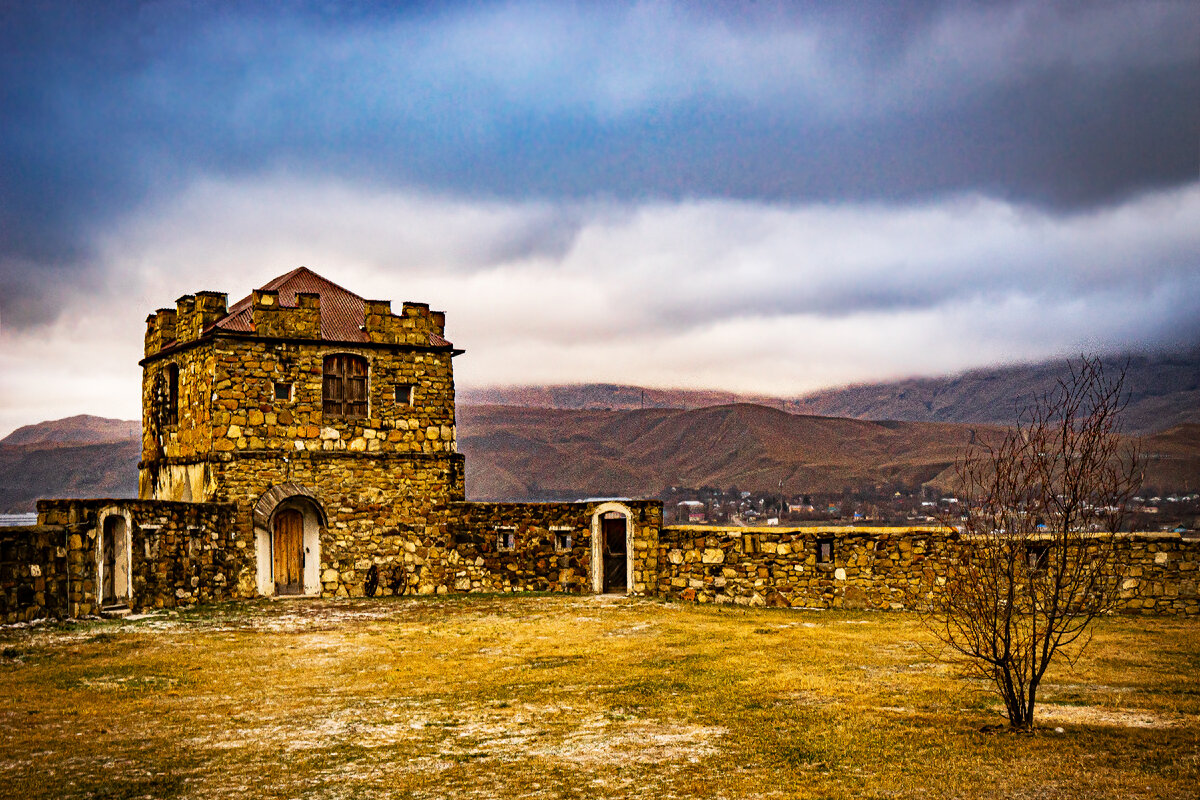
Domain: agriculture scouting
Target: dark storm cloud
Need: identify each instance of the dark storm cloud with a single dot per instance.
(109, 109)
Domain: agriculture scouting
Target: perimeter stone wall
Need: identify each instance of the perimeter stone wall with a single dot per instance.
(180, 553)
(33, 573)
(541, 558)
(884, 568)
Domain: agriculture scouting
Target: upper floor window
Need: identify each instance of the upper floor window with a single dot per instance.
(170, 414)
(344, 386)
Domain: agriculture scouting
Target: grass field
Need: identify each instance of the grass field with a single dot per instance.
(574, 697)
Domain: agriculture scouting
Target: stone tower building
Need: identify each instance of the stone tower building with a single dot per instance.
(326, 419)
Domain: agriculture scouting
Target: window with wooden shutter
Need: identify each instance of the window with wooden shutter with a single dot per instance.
(344, 386)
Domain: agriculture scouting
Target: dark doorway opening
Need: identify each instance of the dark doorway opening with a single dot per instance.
(616, 557)
(108, 560)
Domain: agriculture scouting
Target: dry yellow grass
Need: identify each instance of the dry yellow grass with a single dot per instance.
(573, 697)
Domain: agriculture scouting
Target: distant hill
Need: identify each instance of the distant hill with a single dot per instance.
(82, 429)
(541, 454)
(518, 453)
(81, 456)
(547, 453)
(28, 473)
(607, 397)
(1164, 392)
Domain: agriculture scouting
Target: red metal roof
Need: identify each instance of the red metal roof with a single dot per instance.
(342, 311)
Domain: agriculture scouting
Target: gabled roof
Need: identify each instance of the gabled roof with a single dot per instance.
(341, 309)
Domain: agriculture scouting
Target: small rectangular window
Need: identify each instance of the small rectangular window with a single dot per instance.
(563, 541)
(404, 394)
(506, 539)
(1037, 556)
(283, 391)
(825, 551)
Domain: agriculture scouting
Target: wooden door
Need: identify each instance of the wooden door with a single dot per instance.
(289, 552)
(612, 531)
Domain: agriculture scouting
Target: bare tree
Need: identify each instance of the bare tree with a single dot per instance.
(1038, 557)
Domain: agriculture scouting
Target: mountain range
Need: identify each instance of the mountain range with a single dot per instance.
(1164, 391)
(605, 439)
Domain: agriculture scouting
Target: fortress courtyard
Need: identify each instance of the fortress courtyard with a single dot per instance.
(553, 696)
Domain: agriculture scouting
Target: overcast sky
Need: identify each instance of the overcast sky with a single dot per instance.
(764, 197)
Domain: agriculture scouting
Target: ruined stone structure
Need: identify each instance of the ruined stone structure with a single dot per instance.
(302, 442)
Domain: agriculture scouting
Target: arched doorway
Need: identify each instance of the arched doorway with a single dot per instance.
(113, 566)
(288, 522)
(612, 549)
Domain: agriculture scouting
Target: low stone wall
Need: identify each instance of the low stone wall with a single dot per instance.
(539, 558)
(884, 568)
(181, 553)
(33, 573)
(178, 553)
(1161, 574)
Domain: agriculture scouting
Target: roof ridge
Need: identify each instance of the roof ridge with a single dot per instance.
(282, 279)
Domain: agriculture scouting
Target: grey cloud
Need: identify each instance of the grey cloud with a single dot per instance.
(107, 110)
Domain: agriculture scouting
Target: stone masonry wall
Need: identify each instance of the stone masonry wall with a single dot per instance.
(236, 410)
(33, 573)
(480, 563)
(387, 511)
(883, 568)
(180, 553)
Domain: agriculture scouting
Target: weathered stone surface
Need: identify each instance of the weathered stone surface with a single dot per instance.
(884, 568)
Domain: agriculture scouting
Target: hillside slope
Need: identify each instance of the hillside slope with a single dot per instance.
(538, 454)
(77, 430)
(81, 456)
(1164, 392)
(28, 473)
(544, 453)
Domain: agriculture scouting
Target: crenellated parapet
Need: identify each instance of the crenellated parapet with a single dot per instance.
(160, 330)
(195, 312)
(271, 318)
(412, 326)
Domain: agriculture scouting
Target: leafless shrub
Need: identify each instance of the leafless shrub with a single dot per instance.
(1040, 511)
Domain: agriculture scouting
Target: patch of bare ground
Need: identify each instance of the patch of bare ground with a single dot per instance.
(561, 697)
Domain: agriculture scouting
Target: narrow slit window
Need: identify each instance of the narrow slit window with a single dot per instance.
(825, 551)
(171, 401)
(750, 543)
